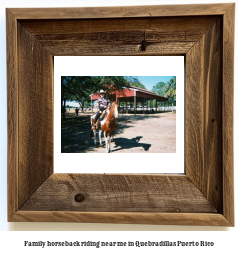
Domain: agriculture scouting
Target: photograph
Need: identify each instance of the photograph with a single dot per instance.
(137, 119)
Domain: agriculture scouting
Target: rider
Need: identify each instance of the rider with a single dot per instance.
(102, 103)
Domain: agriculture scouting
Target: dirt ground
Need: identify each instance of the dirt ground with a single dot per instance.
(150, 133)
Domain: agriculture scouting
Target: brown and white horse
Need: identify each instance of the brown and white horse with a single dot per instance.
(107, 126)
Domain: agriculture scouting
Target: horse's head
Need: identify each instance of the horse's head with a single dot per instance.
(115, 107)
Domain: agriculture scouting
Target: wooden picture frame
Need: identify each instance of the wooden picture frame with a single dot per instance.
(204, 34)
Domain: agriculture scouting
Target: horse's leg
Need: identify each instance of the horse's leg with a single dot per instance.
(109, 143)
(100, 136)
(106, 142)
(95, 137)
(93, 132)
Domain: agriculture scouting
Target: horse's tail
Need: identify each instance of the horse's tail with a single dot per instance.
(91, 134)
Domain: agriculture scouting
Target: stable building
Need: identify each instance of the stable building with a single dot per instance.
(135, 99)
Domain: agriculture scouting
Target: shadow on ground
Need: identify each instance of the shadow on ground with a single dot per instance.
(125, 143)
(75, 133)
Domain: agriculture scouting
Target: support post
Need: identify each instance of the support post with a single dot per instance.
(143, 105)
(135, 105)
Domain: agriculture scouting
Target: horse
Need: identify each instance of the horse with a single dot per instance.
(107, 126)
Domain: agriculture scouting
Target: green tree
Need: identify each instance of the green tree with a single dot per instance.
(134, 81)
(111, 83)
(78, 88)
(159, 88)
(67, 91)
(170, 89)
(167, 90)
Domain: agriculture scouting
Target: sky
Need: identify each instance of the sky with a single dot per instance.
(150, 81)
(147, 81)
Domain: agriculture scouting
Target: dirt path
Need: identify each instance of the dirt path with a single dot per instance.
(155, 133)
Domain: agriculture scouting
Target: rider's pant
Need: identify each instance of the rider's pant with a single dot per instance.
(98, 114)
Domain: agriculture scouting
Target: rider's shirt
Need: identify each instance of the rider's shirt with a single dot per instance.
(102, 102)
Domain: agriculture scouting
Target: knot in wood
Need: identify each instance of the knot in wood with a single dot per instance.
(79, 198)
(143, 45)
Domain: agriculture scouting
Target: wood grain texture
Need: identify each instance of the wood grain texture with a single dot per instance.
(192, 219)
(119, 36)
(121, 12)
(115, 49)
(117, 193)
(189, 26)
(12, 117)
(203, 119)
(227, 113)
(35, 101)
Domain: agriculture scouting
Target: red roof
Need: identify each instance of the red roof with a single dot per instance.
(143, 90)
(133, 91)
